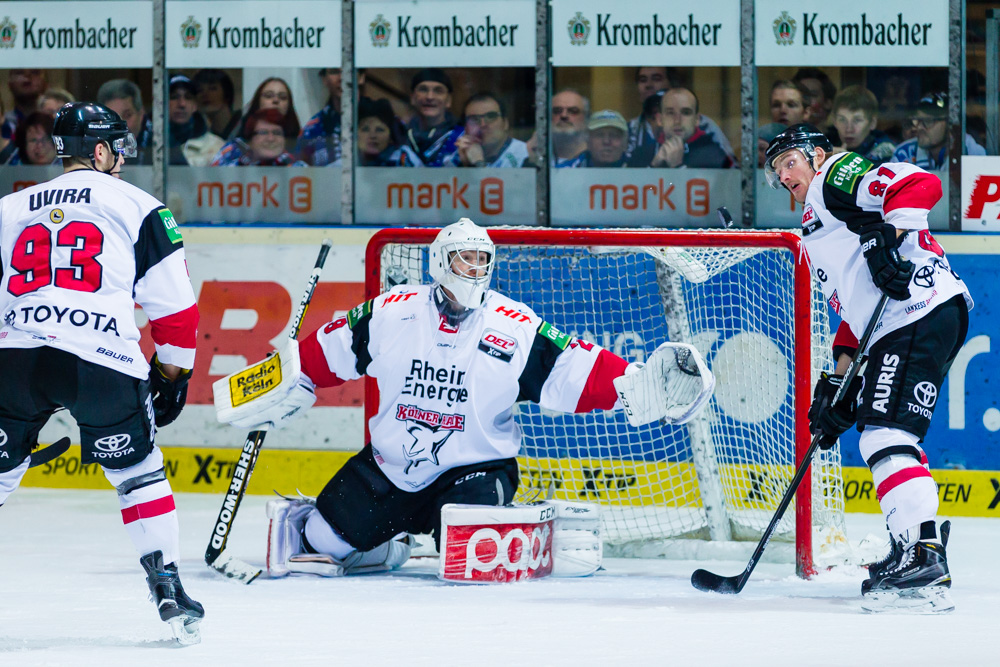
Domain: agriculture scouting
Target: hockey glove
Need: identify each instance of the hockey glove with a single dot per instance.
(169, 395)
(890, 272)
(830, 422)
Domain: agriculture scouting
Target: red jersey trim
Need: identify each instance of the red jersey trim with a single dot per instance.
(845, 337)
(599, 392)
(179, 329)
(314, 363)
(918, 190)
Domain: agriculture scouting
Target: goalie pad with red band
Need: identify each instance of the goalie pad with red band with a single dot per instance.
(486, 544)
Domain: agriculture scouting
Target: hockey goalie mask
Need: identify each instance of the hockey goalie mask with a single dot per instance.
(461, 261)
(804, 137)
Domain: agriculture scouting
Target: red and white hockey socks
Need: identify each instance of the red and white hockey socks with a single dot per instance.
(147, 504)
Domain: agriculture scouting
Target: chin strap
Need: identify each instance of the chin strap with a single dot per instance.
(453, 313)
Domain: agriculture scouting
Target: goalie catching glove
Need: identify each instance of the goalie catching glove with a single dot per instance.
(674, 384)
(265, 395)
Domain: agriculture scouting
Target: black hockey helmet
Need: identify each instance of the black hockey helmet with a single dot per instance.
(80, 126)
(807, 138)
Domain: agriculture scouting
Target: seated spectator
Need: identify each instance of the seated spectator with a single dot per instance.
(855, 115)
(570, 115)
(319, 143)
(820, 94)
(929, 148)
(274, 93)
(265, 147)
(788, 107)
(686, 144)
(377, 144)
(26, 86)
(190, 141)
(33, 141)
(215, 101)
(433, 131)
(607, 137)
(53, 99)
(485, 140)
(124, 98)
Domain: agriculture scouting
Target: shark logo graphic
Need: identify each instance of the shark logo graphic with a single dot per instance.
(427, 442)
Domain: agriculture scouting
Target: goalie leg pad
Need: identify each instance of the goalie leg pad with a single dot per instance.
(577, 547)
(286, 521)
(674, 384)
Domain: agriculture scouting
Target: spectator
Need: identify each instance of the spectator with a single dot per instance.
(274, 93)
(929, 148)
(570, 115)
(788, 107)
(821, 93)
(215, 101)
(855, 116)
(266, 146)
(643, 131)
(33, 141)
(190, 141)
(607, 137)
(319, 143)
(53, 99)
(686, 144)
(124, 98)
(485, 140)
(26, 86)
(433, 131)
(377, 145)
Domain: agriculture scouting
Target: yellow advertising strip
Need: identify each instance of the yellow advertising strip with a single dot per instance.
(620, 482)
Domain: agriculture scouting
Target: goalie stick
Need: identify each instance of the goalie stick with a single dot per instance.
(707, 581)
(224, 563)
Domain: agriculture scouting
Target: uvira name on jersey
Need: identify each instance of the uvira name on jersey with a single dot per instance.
(56, 197)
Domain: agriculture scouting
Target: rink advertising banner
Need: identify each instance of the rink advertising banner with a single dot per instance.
(253, 33)
(388, 195)
(630, 197)
(24, 176)
(445, 33)
(890, 33)
(76, 35)
(980, 193)
(645, 32)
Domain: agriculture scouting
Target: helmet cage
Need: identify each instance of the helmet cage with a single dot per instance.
(465, 288)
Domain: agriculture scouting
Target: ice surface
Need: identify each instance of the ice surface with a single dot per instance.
(72, 593)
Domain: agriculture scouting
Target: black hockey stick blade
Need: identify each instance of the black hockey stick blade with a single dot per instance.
(46, 454)
(710, 582)
(725, 218)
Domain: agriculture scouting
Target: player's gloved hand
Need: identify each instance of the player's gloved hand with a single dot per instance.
(169, 395)
(830, 422)
(890, 272)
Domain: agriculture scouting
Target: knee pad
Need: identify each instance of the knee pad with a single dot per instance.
(145, 473)
(878, 444)
(16, 441)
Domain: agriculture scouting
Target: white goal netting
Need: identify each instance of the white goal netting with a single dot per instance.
(717, 479)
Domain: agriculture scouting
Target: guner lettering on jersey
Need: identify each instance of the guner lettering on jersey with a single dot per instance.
(56, 197)
(426, 381)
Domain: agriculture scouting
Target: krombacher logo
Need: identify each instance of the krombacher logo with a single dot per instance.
(190, 33)
(8, 33)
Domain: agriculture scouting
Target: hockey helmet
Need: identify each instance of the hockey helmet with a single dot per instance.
(805, 137)
(80, 126)
(468, 290)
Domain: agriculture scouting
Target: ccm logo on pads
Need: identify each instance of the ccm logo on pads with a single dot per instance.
(498, 345)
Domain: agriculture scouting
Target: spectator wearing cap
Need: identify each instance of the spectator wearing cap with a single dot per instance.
(855, 115)
(929, 148)
(215, 101)
(378, 145)
(264, 146)
(607, 137)
(190, 141)
(319, 142)
(685, 144)
(125, 99)
(433, 131)
(485, 140)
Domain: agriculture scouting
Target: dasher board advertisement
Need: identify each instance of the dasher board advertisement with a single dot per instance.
(445, 33)
(252, 33)
(980, 193)
(76, 35)
(893, 33)
(645, 32)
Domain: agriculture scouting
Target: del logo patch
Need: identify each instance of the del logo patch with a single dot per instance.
(498, 345)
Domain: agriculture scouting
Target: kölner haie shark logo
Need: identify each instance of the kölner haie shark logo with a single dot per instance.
(190, 33)
(8, 33)
(579, 30)
(784, 29)
(380, 29)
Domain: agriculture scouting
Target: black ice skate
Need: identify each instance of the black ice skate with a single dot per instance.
(175, 607)
(917, 583)
(878, 569)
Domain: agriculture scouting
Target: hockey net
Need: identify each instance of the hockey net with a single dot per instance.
(746, 301)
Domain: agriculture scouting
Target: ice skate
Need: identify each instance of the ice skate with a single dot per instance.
(176, 608)
(918, 583)
(878, 569)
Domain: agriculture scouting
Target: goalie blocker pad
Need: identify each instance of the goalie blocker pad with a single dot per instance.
(674, 384)
(487, 544)
(268, 392)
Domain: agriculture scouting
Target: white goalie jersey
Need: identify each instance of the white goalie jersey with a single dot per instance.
(446, 394)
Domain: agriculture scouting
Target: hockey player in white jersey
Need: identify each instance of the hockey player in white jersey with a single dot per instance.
(78, 253)
(450, 359)
(865, 233)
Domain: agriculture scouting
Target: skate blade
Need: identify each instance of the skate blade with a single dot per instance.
(926, 600)
(187, 630)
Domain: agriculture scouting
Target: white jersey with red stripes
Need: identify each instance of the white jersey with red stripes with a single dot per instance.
(78, 253)
(447, 394)
(849, 193)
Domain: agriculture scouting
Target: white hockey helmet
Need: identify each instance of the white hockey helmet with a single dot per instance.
(468, 290)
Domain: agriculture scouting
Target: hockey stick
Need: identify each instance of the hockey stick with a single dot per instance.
(46, 454)
(725, 218)
(704, 580)
(226, 564)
